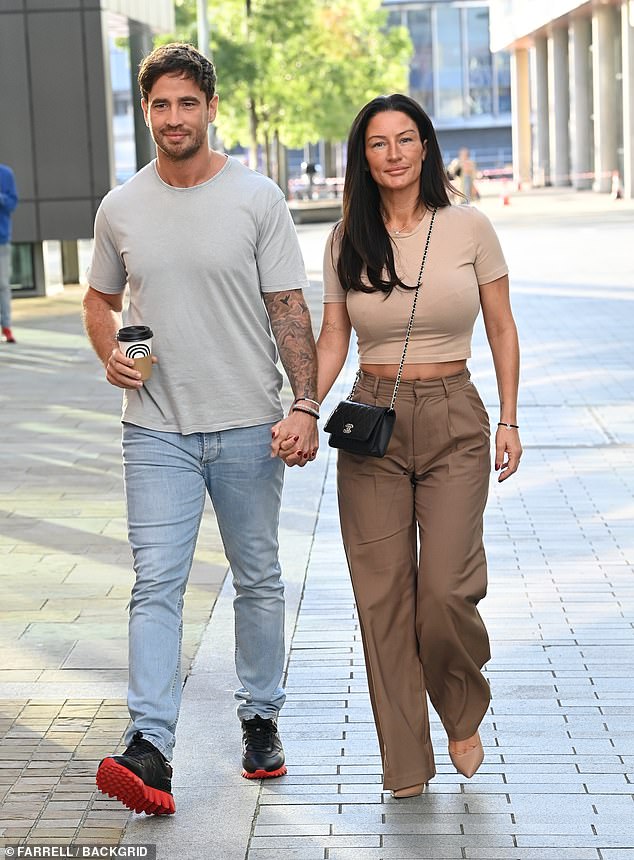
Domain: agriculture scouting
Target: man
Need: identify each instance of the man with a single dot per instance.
(213, 265)
(8, 202)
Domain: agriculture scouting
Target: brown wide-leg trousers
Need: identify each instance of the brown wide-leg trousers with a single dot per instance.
(412, 529)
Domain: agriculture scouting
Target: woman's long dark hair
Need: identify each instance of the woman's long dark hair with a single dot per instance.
(365, 243)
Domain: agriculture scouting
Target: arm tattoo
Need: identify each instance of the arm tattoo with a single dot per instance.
(293, 333)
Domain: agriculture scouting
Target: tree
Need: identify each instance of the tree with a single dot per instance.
(293, 71)
(354, 58)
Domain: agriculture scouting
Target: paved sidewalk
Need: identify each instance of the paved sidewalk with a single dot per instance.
(557, 781)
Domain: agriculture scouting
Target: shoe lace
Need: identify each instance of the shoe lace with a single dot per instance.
(258, 733)
(139, 747)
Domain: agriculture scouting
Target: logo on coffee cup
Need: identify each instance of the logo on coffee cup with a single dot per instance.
(138, 350)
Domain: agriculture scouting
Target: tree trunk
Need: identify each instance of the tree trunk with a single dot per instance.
(329, 159)
(282, 167)
(253, 125)
(267, 154)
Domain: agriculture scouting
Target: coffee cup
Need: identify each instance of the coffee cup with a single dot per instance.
(135, 341)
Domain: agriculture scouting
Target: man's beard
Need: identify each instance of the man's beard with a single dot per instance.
(184, 150)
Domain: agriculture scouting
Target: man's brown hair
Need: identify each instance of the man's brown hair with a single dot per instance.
(177, 57)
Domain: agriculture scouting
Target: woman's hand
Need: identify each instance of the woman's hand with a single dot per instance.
(295, 439)
(508, 451)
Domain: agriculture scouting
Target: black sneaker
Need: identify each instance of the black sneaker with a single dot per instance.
(262, 751)
(141, 778)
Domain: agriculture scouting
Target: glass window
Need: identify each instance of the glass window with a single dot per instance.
(502, 60)
(421, 74)
(22, 266)
(449, 60)
(480, 97)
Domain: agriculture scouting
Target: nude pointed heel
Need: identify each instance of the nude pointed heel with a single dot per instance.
(467, 763)
(410, 791)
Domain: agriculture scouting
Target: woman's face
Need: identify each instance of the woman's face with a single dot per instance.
(394, 150)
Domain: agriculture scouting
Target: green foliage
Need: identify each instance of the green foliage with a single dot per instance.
(352, 59)
(298, 68)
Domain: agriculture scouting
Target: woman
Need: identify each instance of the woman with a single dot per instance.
(412, 521)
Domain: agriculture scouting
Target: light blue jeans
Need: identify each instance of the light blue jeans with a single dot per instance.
(166, 477)
(5, 286)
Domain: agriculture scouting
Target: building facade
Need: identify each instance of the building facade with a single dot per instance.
(572, 79)
(54, 65)
(465, 89)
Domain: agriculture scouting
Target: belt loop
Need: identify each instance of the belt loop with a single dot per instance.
(445, 385)
(377, 382)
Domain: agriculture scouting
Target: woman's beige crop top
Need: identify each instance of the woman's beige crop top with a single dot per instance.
(464, 252)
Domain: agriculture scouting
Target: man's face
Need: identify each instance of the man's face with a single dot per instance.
(177, 114)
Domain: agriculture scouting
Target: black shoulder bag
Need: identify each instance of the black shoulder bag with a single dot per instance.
(366, 430)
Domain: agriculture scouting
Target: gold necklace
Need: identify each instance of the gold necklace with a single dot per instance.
(406, 226)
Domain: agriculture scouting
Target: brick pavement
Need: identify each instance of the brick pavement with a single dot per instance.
(560, 754)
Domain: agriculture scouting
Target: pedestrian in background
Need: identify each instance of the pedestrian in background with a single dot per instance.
(8, 202)
(214, 268)
(462, 172)
(412, 521)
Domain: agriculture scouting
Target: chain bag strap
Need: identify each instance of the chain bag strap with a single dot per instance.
(366, 430)
(410, 323)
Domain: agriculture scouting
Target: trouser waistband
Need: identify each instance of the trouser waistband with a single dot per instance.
(413, 388)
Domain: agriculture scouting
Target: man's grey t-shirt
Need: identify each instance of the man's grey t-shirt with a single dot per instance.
(197, 261)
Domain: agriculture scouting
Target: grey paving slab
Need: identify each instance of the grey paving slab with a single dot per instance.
(293, 843)
(490, 853)
(428, 847)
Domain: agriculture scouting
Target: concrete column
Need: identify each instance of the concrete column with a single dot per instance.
(140, 45)
(47, 268)
(521, 116)
(627, 34)
(559, 106)
(604, 31)
(541, 150)
(580, 37)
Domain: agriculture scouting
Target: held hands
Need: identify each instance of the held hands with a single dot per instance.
(295, 439)
(120, 370)
(508, 451)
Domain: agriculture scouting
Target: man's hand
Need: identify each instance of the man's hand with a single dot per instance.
(120, 370)
(295, 439)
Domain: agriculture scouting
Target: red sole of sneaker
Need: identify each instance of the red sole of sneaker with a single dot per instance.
(117, 781)
(265, 774)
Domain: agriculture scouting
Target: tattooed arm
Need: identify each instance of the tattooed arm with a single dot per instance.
(293, 333)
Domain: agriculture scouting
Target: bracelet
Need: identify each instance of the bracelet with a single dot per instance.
(508, 426)
(305, 409)
(315, 403)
